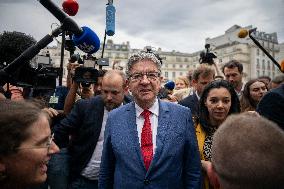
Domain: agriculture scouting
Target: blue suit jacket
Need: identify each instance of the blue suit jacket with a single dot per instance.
(176, 162)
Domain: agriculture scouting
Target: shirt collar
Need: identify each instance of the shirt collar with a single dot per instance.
(153, 109)
(198, 97)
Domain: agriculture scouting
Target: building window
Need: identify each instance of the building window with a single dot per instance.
(263, 64)
(174, 74)
(166, 74)
(257, 63)
(180, 66)
(174, 65)
(257, 73)
(273, 67)
(263, 72)
(257, 51)
(268, 64)
(180, 73)
(187, 66)
(186, 59)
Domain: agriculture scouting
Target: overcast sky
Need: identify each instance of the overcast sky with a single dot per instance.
(180, 25)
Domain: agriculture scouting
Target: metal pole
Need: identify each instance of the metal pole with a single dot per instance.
(100, 66)
(62, 58)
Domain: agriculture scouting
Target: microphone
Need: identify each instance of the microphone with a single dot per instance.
(282, 66)
(88, 41)
(84, 38)
(110, 20)
(244, 32)
(70, 7)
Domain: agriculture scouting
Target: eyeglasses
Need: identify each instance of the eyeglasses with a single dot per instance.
(152, 76)
(45, 145)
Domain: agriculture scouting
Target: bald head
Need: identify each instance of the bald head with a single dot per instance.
(113, 89)
(247, 153)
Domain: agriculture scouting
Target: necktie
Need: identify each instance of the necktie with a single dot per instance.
(146, 139)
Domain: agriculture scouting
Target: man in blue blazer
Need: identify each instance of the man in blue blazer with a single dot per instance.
(86, 123)
(149, 143)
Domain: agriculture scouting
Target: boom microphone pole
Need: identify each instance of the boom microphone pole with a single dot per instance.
(84, 38)
(243, 33)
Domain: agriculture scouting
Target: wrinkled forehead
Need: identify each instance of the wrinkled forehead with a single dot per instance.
(144, 66)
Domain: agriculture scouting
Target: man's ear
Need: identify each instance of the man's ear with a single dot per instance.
(126, 91)
(212, 175)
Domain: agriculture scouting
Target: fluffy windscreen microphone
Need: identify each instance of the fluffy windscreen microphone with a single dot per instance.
(282, 65)
(243, 33)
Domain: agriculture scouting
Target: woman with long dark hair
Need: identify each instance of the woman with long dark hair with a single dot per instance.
(217, 102)
(254, 90)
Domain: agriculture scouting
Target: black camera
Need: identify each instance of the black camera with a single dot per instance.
(88, 74)
(38, 74)
(207, 56)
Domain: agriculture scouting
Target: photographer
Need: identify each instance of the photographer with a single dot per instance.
(80, 90)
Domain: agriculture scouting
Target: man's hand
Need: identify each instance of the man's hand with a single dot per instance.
(51, 112)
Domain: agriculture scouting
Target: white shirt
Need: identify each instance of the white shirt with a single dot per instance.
(198, 97)
(153, 119)
(91, 171)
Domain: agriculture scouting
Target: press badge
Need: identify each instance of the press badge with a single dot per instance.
(53, 99)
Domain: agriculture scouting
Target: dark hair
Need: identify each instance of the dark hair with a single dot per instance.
(265, 77)
(232, 64)
(15, 119)
(204, 114)
(247, 103)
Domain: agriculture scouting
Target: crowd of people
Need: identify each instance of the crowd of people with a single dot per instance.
(131, 130)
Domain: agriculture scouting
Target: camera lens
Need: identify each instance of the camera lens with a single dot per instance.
(85, 84)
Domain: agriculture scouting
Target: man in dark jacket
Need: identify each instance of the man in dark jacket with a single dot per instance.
(203, 75)
(86, 125)
(271, 105)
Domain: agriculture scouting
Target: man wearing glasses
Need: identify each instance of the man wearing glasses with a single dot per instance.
(86, 123)
(149, 143)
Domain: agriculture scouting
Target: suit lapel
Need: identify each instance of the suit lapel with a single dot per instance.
(163, 124)
(131, 122)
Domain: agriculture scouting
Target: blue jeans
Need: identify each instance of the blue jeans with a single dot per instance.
(83, 183)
